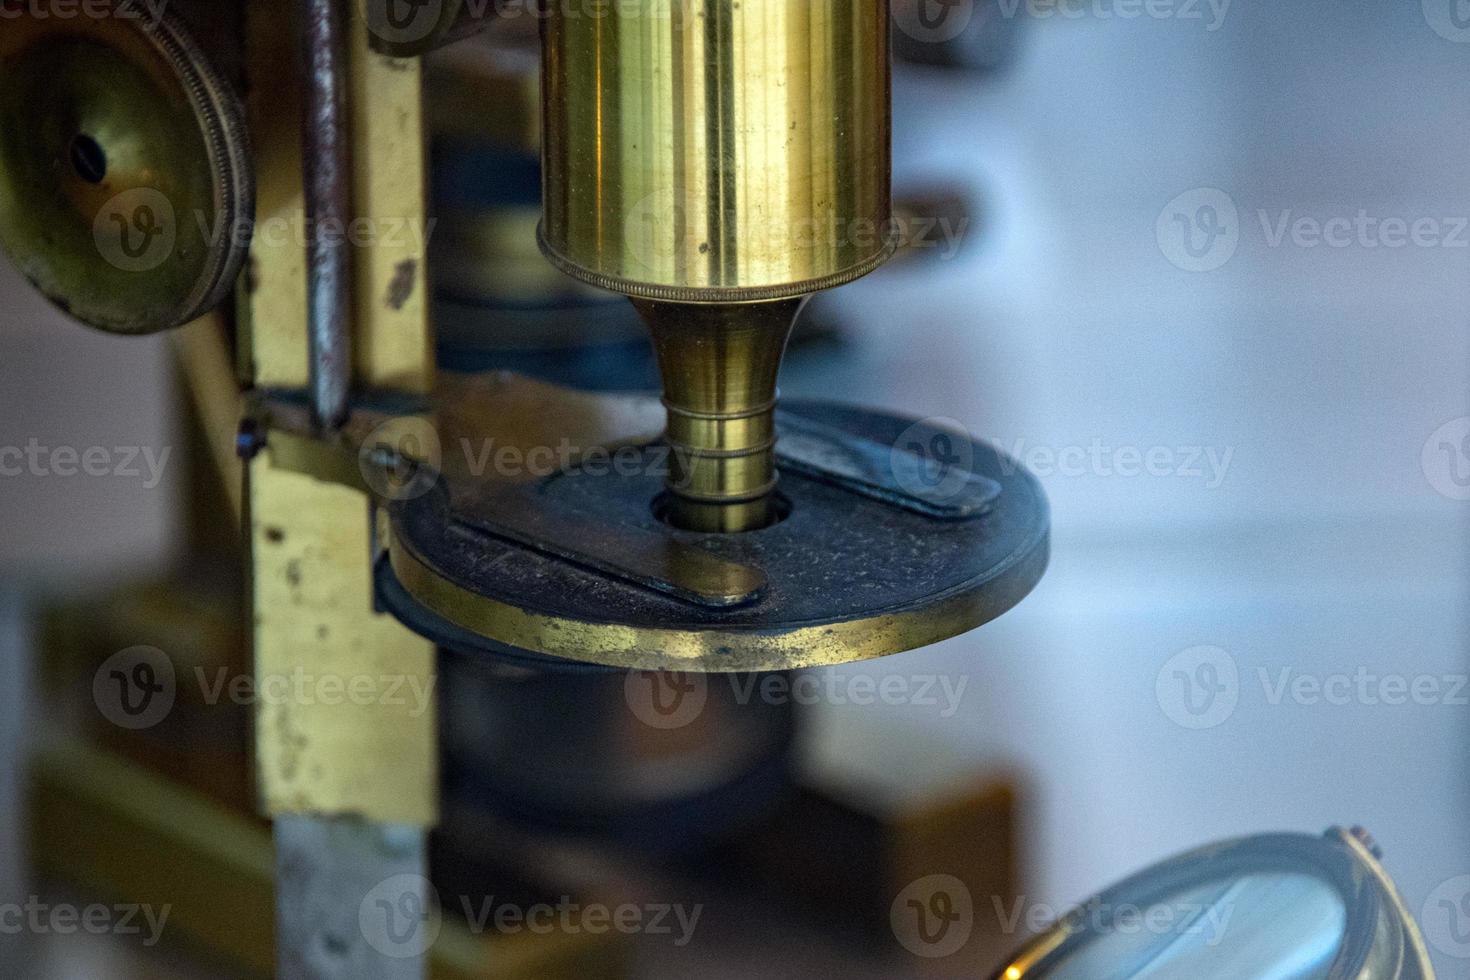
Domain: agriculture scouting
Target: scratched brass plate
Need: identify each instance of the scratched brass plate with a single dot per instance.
(850, 574)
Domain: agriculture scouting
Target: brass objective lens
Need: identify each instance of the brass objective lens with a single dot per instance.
(718, 161)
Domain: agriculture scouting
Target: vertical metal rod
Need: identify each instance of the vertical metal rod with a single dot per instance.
(326, 159)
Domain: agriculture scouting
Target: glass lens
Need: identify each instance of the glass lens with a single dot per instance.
(1260, 926)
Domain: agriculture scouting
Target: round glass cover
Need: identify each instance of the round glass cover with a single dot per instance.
(1270, 907)
(1260, 925)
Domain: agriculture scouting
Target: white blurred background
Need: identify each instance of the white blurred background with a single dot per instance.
(1320, 372)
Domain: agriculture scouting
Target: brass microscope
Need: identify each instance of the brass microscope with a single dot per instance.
(254, 174)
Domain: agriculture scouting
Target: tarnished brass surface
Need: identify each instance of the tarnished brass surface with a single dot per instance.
(309, 536)
(719, 364)
(313, 611)
(703, 650)
(272, 348)
(646, 557)
(392, 343)
(125, 180)
(710, 151)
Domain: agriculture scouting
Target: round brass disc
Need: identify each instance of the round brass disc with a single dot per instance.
(125, 180)
(847, 577)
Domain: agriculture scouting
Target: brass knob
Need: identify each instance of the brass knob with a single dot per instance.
(125, 180)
